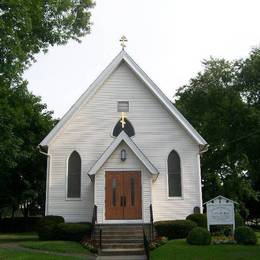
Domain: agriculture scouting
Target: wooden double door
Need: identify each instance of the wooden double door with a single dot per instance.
(123, 195)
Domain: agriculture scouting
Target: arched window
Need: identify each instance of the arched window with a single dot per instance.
(174, 175)
(128, 129)
(74, 176)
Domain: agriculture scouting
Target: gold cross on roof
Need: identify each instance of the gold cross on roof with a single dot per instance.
(123, 41)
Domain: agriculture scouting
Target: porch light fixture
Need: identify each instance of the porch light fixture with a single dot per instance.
(123, 155)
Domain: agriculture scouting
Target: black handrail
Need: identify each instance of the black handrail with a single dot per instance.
(146, 245)
(151, 221)
(100, 239)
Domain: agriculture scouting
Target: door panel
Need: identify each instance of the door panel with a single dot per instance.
(123, 195)
(114, 189)
(132, 188)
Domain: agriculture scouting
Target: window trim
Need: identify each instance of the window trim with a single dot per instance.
(167, 177)
(66, 178)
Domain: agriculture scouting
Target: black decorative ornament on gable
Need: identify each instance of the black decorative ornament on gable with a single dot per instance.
(128, 128)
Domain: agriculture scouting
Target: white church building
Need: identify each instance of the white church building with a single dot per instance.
(123, 149)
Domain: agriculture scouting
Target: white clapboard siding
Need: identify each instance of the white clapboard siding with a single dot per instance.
(157, 133)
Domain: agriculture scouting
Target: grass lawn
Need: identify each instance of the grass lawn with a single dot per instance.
(17, 237)
(56, 246)
(19, 254)
(179, 249)
(25, 246)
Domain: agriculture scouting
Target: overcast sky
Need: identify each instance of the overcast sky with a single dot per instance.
(167, 38)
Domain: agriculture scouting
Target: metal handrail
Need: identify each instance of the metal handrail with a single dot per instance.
(100, 239)
(146, 245)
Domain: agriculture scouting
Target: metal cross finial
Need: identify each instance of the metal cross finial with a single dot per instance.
(122, 121)
(123, 41)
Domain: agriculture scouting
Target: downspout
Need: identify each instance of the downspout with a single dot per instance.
(202, 149)
(47, 178)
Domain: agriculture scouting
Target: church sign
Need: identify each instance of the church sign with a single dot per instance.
(220, 211)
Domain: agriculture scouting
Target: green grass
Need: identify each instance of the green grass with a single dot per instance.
(179, 249)
(17, 237)
(11, 247)
(24, 255)
(56, 246)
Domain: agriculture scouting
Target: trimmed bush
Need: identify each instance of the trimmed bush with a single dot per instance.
(245, 236)
(47, 227)
(199, 236)
(173, 229)
(19, 224)
(199, 219)
(72, 231)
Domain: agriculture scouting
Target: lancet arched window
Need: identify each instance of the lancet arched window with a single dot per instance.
(74, 176)
(174, 175)
(128, 128)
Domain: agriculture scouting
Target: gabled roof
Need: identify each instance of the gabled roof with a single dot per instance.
(120, 138)
(123, 56)
(221, 198)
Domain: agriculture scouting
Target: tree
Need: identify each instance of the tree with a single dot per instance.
(212, 102)
(27, 28)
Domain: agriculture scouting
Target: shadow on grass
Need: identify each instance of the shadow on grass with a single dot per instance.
(17, 237)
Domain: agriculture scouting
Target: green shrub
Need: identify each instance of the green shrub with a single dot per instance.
(199, 236)
(72, 231)
(47, 227)
(245, 236)
(239, 221)
(199, 219)
(173, 229)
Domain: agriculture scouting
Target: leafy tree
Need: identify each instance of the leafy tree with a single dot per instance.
(212, 102)
(27, 28)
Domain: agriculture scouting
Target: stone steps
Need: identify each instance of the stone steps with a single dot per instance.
(121, 239)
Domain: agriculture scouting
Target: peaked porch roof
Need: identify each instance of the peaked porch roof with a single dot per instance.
(123, 137)
(123, 56)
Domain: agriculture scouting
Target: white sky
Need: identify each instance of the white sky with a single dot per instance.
(167, 38)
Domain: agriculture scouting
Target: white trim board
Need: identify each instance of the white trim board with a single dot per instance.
(123, 137)
(123, 56)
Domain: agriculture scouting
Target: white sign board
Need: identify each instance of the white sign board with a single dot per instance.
(220, 211)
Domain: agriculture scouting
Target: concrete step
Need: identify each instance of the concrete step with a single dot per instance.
(122, 240)
(122, 245)
(122, 251)
(122, 257)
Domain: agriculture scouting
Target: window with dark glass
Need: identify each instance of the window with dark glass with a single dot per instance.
(114, 192)
(132, 191)
(174, 175)
(128, 128)
(74, 176)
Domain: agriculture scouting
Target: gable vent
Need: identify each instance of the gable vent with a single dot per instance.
(123, 106)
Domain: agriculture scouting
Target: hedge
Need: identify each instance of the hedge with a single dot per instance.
(72, 231)
(199, 236)
(47, 227)
(173, 229)
(199, 219)
(245, 236)
(19, 224)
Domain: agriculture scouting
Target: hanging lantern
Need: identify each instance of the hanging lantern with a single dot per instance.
(123, 155)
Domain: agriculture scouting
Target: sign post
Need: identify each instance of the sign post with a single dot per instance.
(220, 211)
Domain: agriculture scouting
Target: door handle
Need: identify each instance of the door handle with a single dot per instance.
(122, 201)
